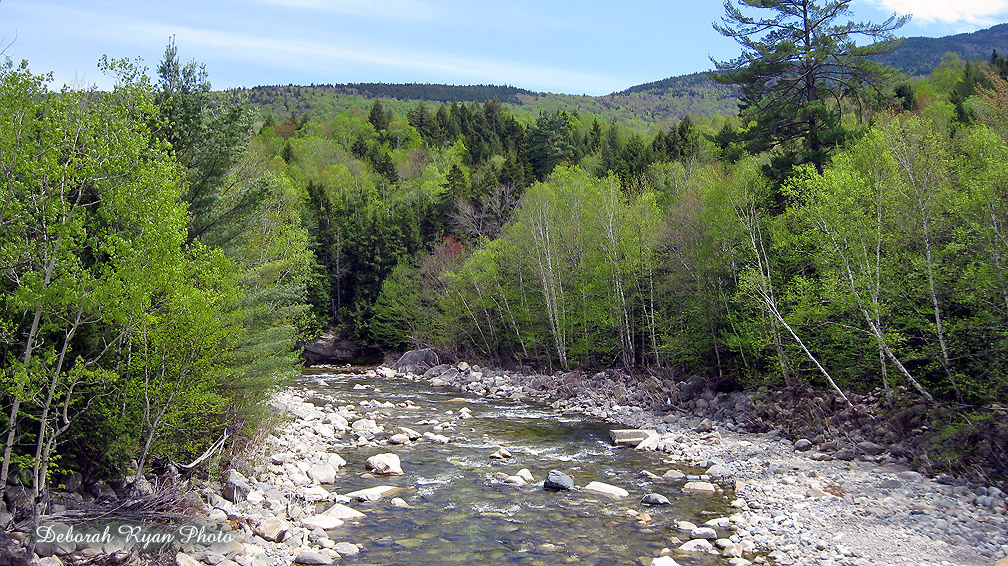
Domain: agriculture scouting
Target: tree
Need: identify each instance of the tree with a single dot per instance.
(209, 136)
(379, 118)
(798, 70)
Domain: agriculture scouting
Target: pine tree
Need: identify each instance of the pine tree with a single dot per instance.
(796, 68)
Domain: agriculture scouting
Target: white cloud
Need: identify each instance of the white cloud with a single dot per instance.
(978, 12)
(310, 55)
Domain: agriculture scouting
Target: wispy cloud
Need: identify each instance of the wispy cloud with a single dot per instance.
(977, 12)
(309, 55)
(398, 9)
(325, 58)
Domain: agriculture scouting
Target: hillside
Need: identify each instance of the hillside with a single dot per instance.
(921, 55)
(642, 106)
(661, 102)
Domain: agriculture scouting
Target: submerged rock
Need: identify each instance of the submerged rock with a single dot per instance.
(371, 493)
(606, 489)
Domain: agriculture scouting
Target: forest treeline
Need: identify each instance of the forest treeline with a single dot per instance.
(163, 247)
(569, 242)
(153, 276)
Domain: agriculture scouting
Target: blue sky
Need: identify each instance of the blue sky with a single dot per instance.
(587, 46)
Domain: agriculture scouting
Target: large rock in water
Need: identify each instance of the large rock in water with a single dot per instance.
(417, 361)
(386, 464)
(558, 481)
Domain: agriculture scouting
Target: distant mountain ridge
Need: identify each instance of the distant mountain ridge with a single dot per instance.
(921, 55)
(409, 91)
(641, 106)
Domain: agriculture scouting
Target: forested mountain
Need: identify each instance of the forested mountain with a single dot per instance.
(658, 103)
(921, 55)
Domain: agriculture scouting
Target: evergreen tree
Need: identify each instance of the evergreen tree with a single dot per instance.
(797, 66)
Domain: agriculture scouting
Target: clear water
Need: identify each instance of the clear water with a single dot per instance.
(460, 510)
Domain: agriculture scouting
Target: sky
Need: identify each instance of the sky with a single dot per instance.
(570, 46)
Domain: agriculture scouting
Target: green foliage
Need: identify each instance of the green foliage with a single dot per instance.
(152, 284)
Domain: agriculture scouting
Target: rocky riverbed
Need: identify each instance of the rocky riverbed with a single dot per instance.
(797, 502)
(370, 473)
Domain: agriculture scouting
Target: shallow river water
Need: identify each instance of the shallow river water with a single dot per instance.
(460, 510)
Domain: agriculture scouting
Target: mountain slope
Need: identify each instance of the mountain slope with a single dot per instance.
(921, 55)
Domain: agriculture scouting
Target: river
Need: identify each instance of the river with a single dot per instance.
(460, 510)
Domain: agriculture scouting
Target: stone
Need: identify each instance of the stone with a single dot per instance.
(704, 426)
(663, 561)
(364, 426)
(54, 561)
(386, 464)
(343, 512)
(699, 487)
(183, 559)
(674, 475)
(398, 502)
(321, 522)
(315, 494)
(236, 487)
(697, 545)
(630, 436)
(346, 549)
(526, 475)
(310, 557)
(649, 443)
(272, 531)
(802, 445)
(371, 493)
(501, 454)
(870, 448)
(72, 482)
(385, 371)
(718, 471)
(685, 526)
(844, 454)
(910, 476)
(606, 489)
(558, 481)
(399, 439)
(816, 490)
(1002, 562)
(515, 480)
(410, 433)
(417, 361)
(706, 533)
(322, 473)
(655, 499)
